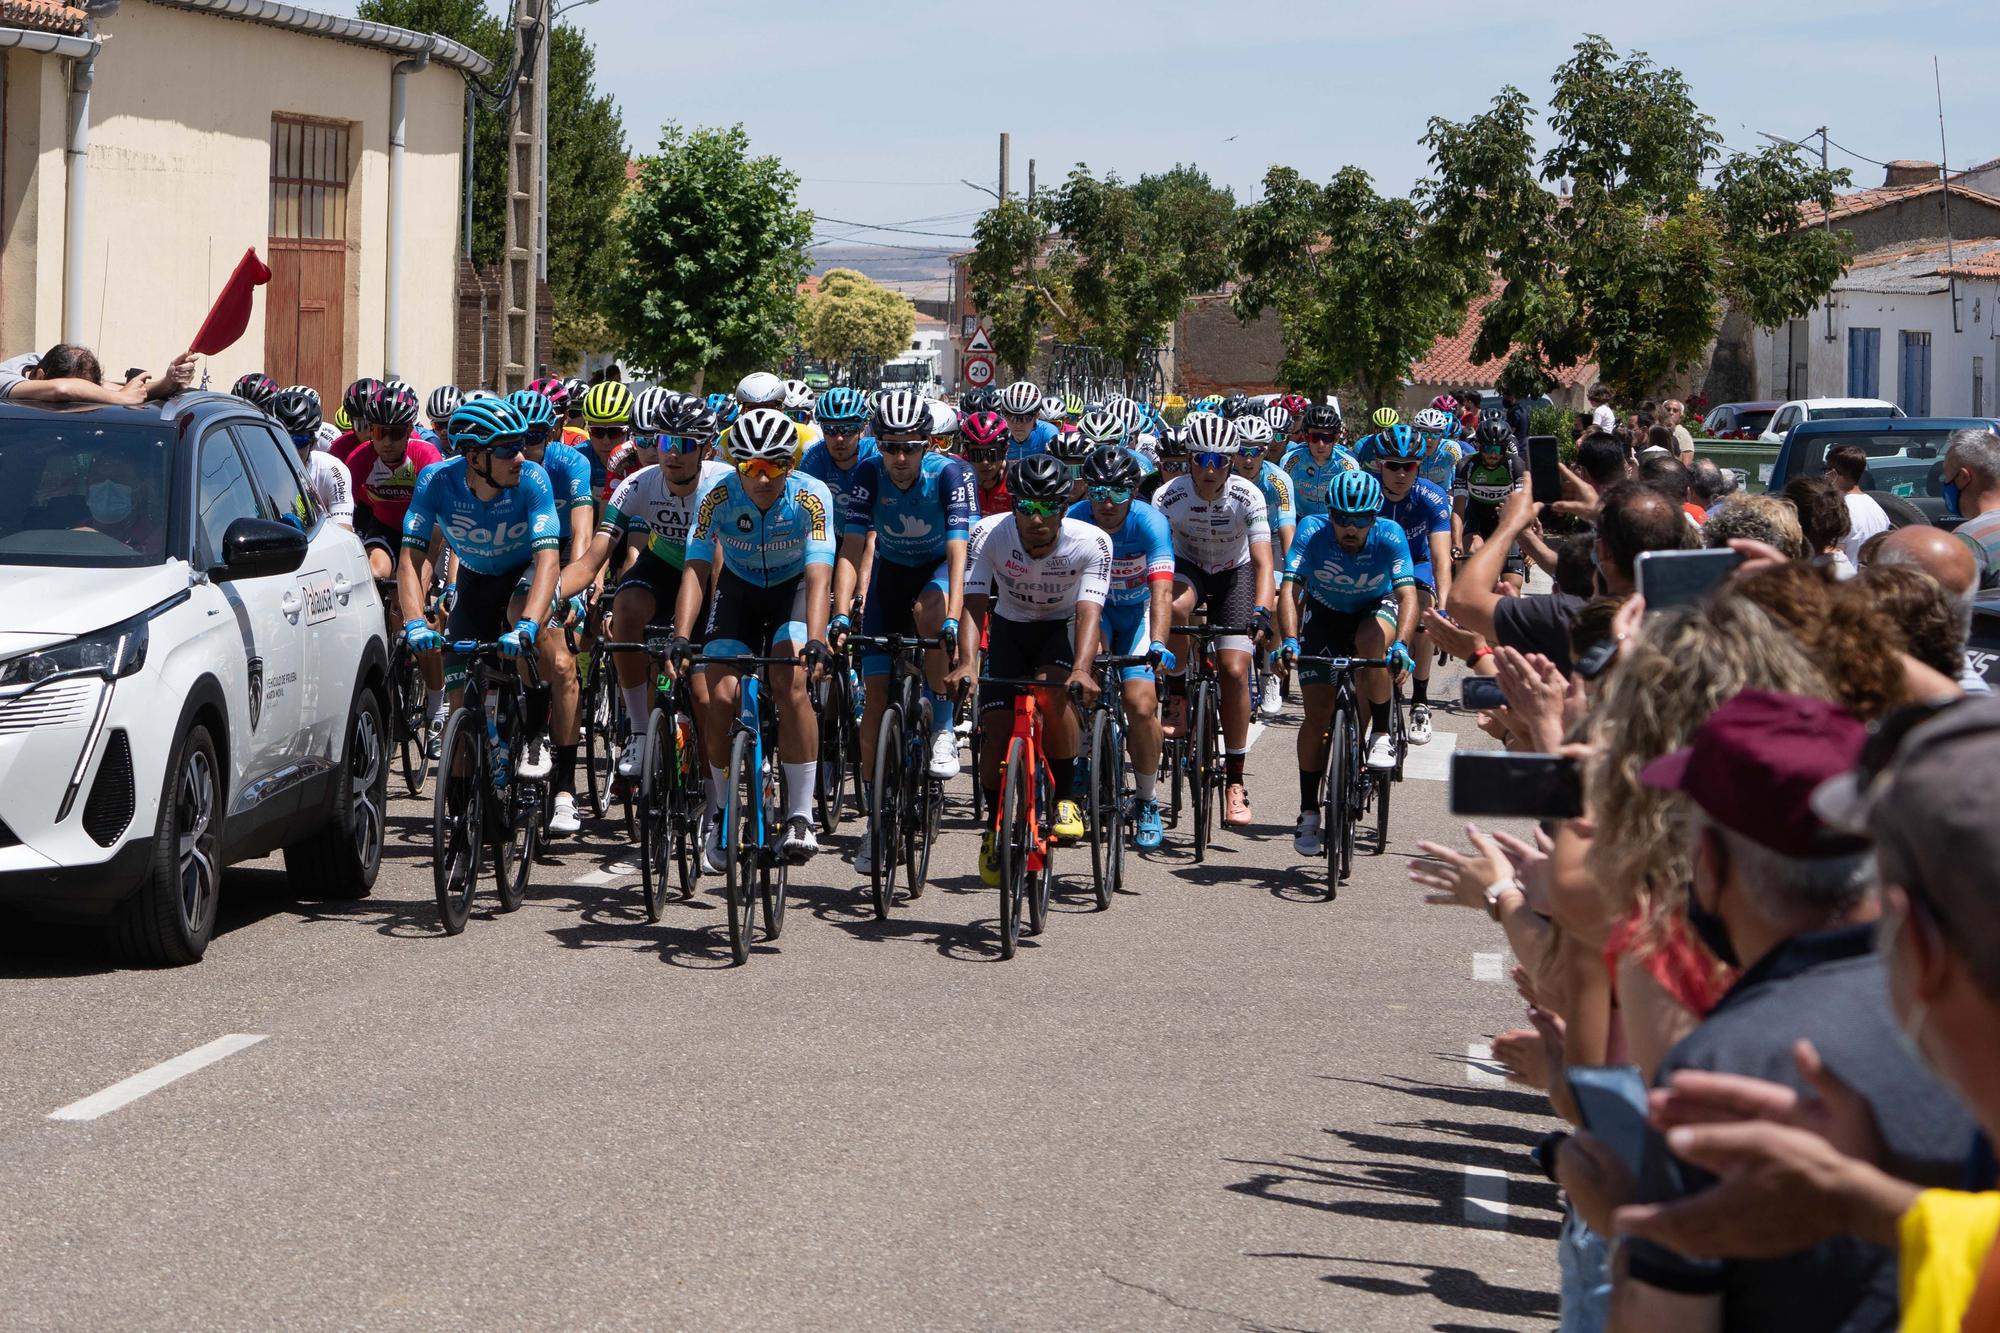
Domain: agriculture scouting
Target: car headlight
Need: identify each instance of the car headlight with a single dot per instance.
(111, 653)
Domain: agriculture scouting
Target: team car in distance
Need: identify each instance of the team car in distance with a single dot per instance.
(192, 666)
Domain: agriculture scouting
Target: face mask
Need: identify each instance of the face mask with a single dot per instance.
(1709, 928)
(1949, 491)
(110, 502)
(1910, 1030)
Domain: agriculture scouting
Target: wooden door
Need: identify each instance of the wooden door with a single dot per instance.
(306, 301)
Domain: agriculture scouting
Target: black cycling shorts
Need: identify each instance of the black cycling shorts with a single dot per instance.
(1021, 649)
(651, 574)
(1228, 594)
(743, 616)
(377, 535)
(891, 608)
(480, 612)
(1325, 632)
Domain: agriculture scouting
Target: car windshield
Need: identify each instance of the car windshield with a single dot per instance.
(905, 372)
(1849, 413)
(84, 495)
(1754, 419)
(1905, 463)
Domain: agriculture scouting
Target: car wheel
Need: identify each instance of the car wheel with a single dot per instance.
(341, 858)
(169, 920)
(1901, 512)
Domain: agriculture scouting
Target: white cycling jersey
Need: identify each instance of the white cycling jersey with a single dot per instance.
(1024, 587)
(326, 435)
(332, 486)
(1217, 534)
(644, 499)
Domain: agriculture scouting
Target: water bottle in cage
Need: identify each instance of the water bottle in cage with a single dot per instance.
(496, 741)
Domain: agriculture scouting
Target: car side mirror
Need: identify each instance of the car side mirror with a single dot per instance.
(254, 548)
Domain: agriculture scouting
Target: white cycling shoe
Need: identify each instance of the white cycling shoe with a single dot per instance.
(533, 763)
(632, 759)
(1305, 834)
(563, 821)
(1271, 704)
(944, 755)
(1382, 752)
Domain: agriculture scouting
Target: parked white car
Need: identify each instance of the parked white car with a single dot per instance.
(192, 661)
(1801, 410)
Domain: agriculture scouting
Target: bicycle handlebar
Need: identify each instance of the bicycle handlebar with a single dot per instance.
(1342, 663)
(1216, 631)
(892, 642)
(1111, 662)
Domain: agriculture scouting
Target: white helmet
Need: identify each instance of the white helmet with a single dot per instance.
(901, 412)
(1208, 433)
(1432, 418)
(798, 395)
(1052, 409)
(763, 432)
(650, 408)
(307, 390)
(1252, 430)
(760, 388)
(944, 418)
(1022, 398)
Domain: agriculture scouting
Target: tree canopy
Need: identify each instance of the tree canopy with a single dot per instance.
(852, 313)
(1008, 285)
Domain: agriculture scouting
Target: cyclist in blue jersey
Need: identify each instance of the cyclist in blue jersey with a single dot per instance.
(1255, 438)
(1314, 464)
(1341, 569)
(912, 510)
(1436, 431)
(1423, 510)
(1027, 433)
(497, 514)
(569, 479)
(844, 446)
(1138, 611)
(765, 535)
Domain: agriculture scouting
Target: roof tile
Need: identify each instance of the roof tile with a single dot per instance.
(43, 15)
(1867, 201)
(1449, 362)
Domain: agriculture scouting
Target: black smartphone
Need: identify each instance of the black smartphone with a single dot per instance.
(1482, 695)
(1528, 786)
(1612, 1099)
(1544, 469)
(1681, 578)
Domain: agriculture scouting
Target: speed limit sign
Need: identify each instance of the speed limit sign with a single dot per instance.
(978, 372)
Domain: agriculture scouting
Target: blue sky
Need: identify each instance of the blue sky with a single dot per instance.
(882, 108)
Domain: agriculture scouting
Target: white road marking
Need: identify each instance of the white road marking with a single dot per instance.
(1487, 967)
(1485, 1197)
(126, 1091)
(1431, 763)
(605, 876)
(1480, 1067)
(1250, 741)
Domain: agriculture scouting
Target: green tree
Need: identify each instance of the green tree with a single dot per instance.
(586, 184)
(1609, 246)
(1009, 284)
(851, 313)
(1360, 289)
(714, 249)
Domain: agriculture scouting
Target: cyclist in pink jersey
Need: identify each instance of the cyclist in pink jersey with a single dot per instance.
(385, 464)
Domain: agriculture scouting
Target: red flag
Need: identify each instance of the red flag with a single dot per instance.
(231, 313)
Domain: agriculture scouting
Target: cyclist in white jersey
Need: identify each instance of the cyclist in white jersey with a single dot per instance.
(331, 486)
(1222, 558)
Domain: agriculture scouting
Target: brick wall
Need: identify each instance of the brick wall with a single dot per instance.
(482, 285)
(1216, 353)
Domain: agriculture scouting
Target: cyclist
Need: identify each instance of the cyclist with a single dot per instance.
(1342, 568)
(1435, 427)
(1042, 579)
(910, 510)
(1070, 448)
(1484, 481)
(257, 389)
(1027, 433)
(331, 486)
(444, 400)
(385, 465)
(836, 460)
(983, 438)
(799, 402)
(1138, 611)
(1255, 436)
(1319, 460)
(764, 532)
(1423, 510)
(943, 425)
(1222, 558)
(1387, 418)
(498, 516)
(657, 503)
(607, 421)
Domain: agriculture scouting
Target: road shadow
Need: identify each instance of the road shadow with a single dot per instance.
(1423, 1193)
(1459, 1288)
(852, 911)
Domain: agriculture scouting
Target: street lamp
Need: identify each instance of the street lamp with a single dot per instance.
(986, 189)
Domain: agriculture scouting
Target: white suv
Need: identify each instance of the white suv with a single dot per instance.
(192, 661)
(1801, 410)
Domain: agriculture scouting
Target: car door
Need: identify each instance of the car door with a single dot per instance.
(1788, 417)
(265, 676)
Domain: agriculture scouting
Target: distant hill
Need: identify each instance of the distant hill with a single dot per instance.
(917, 274)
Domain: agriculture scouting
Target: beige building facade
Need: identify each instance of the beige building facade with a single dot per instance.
(216, 126)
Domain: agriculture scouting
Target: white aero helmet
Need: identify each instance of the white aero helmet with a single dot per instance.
(1022, 398)
(798, 396)
(760, 388)
(944, 418)
(901, 412)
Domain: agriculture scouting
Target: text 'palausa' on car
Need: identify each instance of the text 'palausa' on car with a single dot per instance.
(192, 666)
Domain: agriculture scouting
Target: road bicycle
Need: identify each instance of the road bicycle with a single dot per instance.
(601, 714)
(1112, 795)
(835, 698)
(668, 805)
(1350, 787)
(1195, 755)
(1023, 826)
(753, 805)
(904, 801)
(480, 802)
(409, 695)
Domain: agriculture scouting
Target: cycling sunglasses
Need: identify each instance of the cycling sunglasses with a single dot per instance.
(1039, 508)
(892, 446)
(1074, 471)
(1351, 520)
(1110, 495)
(1021, 416)
(682, 444)
(609, 432)
(764, 469)
(1251, 451)
(843, 430)
(1399, 465)
(1211, 461)
(1323, 436)
(513, 449)
(986, 455)
(302, 441)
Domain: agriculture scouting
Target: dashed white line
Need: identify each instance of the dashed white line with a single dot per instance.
(1431, 763)
(1485, 1197)
(1480, 1068)
(1488, 967)
(611, 872)
(126, 1091)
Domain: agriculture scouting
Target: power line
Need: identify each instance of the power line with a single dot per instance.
(881, 245)
(843, 180)
(1851, 153)
(870, 226)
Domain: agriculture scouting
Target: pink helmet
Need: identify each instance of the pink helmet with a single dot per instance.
(1444, 402)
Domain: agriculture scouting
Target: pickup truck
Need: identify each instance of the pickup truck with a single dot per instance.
(1905, 456)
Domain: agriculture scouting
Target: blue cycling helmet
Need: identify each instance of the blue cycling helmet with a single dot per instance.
(1354, 493)
(843, 405)
(483, 423)
(538, 414)
(1399, 441)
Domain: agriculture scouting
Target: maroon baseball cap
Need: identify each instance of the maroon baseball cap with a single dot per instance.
(1753, 765)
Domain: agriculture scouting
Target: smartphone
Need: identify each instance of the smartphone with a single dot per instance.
(1681, 578)
(1482, 695)
(1529, 786)
(1544, 469)
(1612, 1099)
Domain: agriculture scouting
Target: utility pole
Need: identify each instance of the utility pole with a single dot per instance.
(1003, 166)
(520, 260)
(1031, 180)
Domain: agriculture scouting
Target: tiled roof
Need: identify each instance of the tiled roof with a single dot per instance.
(1449, 363)
(42, 15)
(1867, 201)
(1920, 268)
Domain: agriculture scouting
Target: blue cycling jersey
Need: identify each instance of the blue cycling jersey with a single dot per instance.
(1425, 510)
(1036, 443)
(1348, 582)
(569, 477)
(495, 536)
(1311, 481)
(1276, 484)
(818, 463)
(765, 547)
(912, 526)
(1142, 550)
(1438, 465)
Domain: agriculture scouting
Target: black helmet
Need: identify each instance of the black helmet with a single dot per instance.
(1494, 434)
(1070, 446)
(298, 412)
(257, 389)
(689, 419)
(1111, 465)
(1173, 442)
(1234, 406)
(1038, 477)
(978, 400)
(1322, 417)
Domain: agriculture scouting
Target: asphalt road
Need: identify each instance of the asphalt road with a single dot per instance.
(1223, 1104)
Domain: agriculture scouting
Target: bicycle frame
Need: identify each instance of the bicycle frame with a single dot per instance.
(1027, 729)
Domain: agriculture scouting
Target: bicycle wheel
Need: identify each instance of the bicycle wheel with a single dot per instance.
(686, 799)
(1334, 822)
(514, 847)
(656, 825)
(1173, 760)
(412, 724)
(456, 819)
(1356, 789)
(917, 810)
(773, 872)
(830, 796)
(739, 846)
(1106, 831)
(1041, 882)
(885, 821)
(1012, 834)
(600, 746)
(980, 814)
(1382, 782)
(1201, 775)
